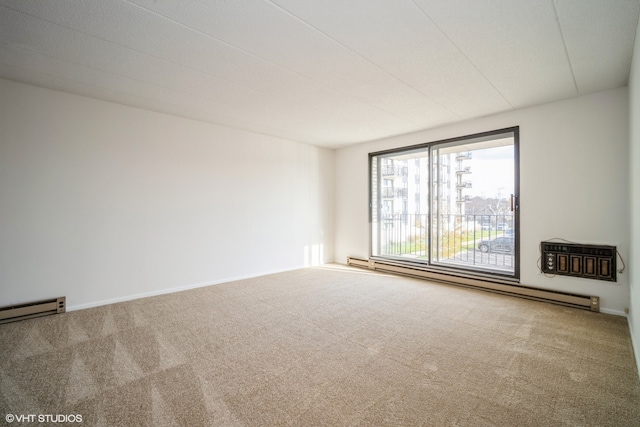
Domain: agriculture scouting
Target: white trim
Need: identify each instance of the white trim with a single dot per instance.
(614, 312)
(634, 346)
(176, 289)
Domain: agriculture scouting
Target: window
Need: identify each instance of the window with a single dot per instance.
(462, 195)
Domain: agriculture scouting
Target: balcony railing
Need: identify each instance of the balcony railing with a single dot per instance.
(473, 241)
(391, 193)
(388, 192)
(394, 171)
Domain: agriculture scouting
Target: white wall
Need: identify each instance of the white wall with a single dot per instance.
(634, 196)
(573, 183)
(100, 202)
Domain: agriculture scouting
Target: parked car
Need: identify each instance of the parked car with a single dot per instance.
(499, 244)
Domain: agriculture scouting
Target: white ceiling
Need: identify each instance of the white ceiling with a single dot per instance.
(324, 72)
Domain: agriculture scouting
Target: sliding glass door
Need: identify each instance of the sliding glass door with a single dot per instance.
(449, 204)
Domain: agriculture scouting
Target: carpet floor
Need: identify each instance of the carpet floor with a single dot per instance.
(330, 346)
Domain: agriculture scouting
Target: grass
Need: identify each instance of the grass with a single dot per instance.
(451, 243)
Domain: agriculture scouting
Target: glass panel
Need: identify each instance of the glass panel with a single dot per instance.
(473, 225)
(400, 204)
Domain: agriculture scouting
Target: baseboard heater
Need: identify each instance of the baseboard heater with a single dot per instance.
(571, 300)
(29, 310)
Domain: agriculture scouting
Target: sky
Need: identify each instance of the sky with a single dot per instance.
(491, 172)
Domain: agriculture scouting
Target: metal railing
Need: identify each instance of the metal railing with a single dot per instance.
(389, 170)
(478, 241)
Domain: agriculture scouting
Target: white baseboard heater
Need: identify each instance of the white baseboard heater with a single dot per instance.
(29, 310)
(572, 300)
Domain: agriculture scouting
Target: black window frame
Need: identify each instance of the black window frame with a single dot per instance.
(429, 146)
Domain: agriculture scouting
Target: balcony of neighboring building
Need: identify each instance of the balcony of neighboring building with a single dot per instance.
(388, 193)
(394, 193)
(389, 170)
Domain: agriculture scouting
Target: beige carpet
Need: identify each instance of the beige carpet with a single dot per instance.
(323, 346)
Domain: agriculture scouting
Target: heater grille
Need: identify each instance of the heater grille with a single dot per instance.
(587, 302)
(29, 310)
(586, 261)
